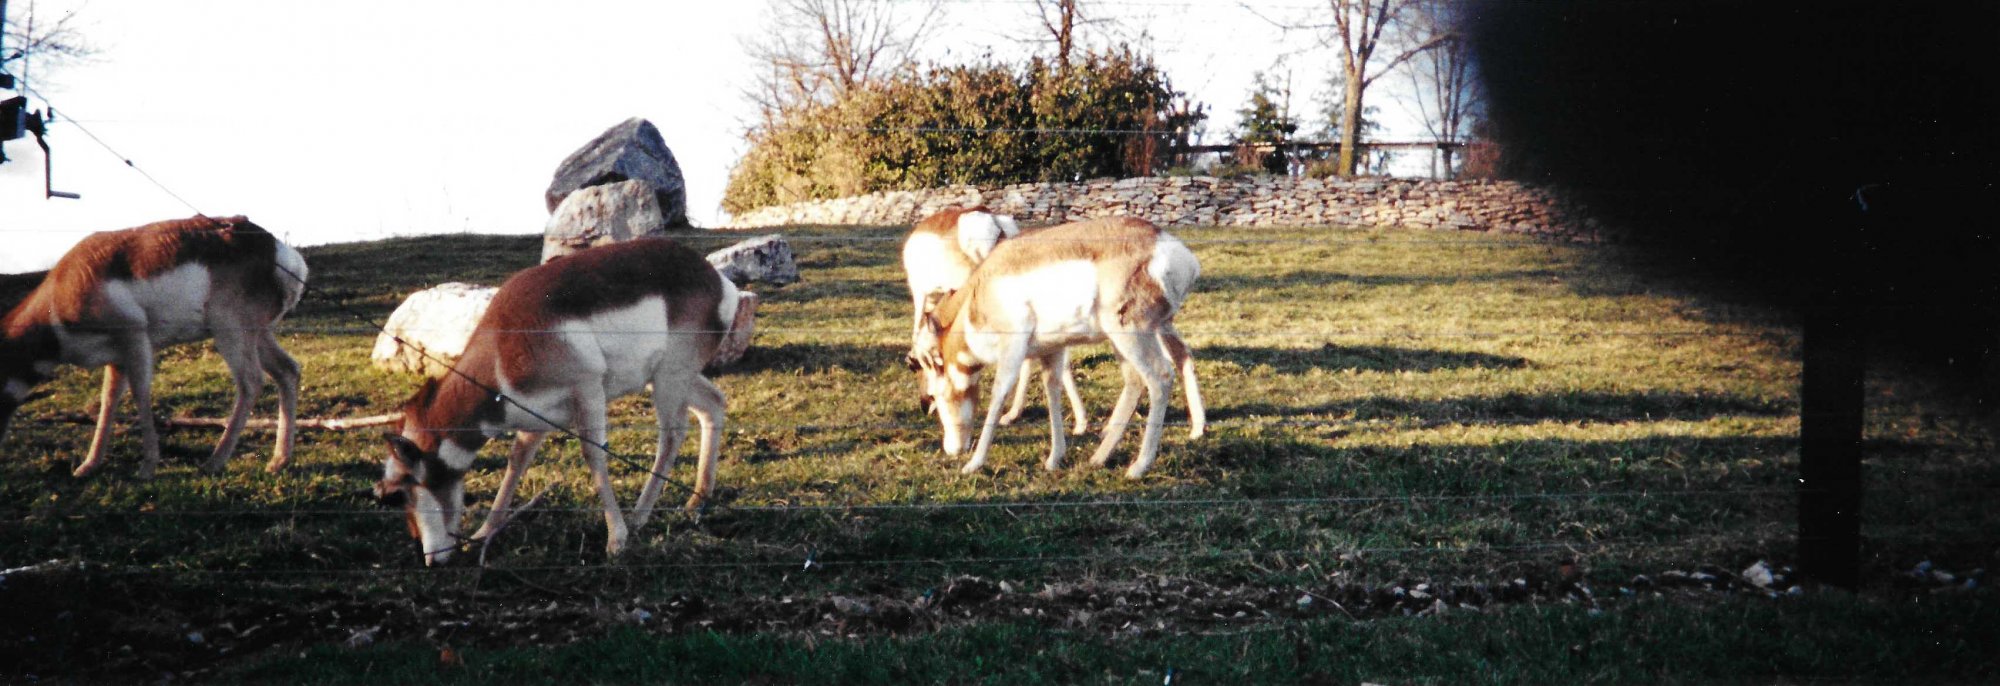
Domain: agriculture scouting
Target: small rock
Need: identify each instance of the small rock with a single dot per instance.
(851, 607)
(768, 259)
(363, 638)
(1758, 575)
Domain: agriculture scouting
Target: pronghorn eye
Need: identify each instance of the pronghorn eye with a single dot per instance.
(915, 364)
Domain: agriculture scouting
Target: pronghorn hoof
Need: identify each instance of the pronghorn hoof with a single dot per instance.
(969, 469)
(1197, 432)
(1134, 473)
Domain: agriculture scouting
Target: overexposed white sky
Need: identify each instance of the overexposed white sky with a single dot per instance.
(333, 122)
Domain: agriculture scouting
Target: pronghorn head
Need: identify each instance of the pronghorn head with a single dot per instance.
(948, 389)
(17, 388)
(429, 487)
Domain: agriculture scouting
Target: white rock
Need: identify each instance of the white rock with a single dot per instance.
(429, 330)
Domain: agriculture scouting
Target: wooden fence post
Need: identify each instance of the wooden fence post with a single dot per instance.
(1830, 410)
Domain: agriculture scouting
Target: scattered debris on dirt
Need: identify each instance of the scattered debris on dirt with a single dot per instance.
(68, 617)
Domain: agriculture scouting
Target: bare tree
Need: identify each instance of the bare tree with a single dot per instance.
(1443, 86)
(30, 37)
(1061, 19)
(1358, 29)
(816, 50)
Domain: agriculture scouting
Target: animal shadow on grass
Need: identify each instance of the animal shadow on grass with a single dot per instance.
(817, 358)
(1250, 283)
(1366, 358)
(1514, 408)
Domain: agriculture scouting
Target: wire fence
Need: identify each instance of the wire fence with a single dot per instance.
(367, 322)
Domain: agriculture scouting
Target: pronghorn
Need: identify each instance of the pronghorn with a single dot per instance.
(1120, 279)
(559, 342)
(118, 297)
(940, 254)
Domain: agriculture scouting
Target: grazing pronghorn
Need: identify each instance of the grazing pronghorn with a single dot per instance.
(118, 297)
(559, 342)
(940, 254)
(1117, 279)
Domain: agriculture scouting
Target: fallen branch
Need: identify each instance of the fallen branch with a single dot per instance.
(323, 424)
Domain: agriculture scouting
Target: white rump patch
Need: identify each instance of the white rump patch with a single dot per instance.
(978, 232)
(292, 273)
(1174, 267)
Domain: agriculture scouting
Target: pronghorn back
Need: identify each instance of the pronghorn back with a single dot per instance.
(1123, 250)
(68, 293)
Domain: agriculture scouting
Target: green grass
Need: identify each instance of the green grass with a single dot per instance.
(1386, 408)
(1651, 641)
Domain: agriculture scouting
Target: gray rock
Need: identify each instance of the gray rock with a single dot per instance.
(429, 330)
(603, 214)
(632, 150)
(764, 258)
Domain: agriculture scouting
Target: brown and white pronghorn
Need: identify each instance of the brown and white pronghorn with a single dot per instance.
(1119, 279)
(559, 342)
(118, 297)
(940, 254)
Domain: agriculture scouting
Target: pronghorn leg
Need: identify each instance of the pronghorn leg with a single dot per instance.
(1020, 393)
(1183, 360)
(1075, 399)
(709, 407)
(593, 432)
(1143, 351)
(1005, 375)
(107, 414)
(1120, 417)
(240, 353)
(284, 371)
(526, 443)
(670, 410)
(1054, 372)
(138, 370)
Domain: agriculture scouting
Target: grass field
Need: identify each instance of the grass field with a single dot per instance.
(1432, 457)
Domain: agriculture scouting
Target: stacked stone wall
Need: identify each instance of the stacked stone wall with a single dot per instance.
(1477, 205)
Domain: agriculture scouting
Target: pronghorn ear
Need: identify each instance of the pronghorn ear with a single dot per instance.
(404, 451)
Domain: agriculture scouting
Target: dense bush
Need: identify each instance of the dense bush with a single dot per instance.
(1109, 114)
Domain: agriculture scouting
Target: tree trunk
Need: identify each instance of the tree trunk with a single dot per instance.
(1350, 123)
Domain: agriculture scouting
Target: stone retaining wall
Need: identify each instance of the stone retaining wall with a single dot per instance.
(1503, 206)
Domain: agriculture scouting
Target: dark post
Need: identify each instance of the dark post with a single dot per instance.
(1830, 412)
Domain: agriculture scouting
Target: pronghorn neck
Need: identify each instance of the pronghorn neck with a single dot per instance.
(452, 410)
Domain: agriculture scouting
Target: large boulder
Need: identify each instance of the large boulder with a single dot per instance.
(603, 214)
(430, 329)
(765, 258)
(630, 151)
